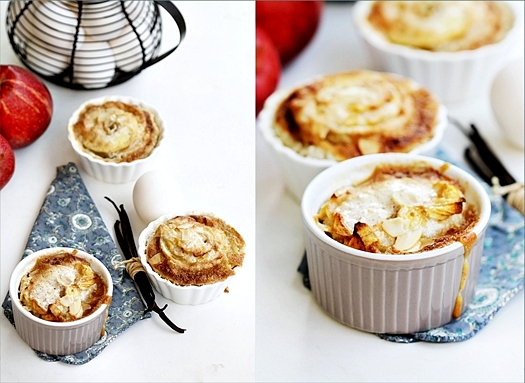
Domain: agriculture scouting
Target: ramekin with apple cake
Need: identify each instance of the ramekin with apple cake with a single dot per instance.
(394, 241)
(116, 138)
(451, 47)
(190, 258)
(60, 298)
(334, 117)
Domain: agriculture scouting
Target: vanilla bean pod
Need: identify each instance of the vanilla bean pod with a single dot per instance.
(124, 235)
(481, 158)
(489, 158)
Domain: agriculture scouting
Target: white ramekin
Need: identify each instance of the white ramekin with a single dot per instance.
(451, 76)
(298, 170)
(383, 293)
(113, 172)
(184, 295)
(58, 338)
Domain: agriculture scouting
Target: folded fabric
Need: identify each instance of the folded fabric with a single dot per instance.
(501, 276)
(69, 218)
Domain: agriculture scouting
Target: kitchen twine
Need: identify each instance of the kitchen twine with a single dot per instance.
(133, 266)
(515, 193)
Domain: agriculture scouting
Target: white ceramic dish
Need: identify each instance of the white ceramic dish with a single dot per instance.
(184, 295)
(298, 170)
(451, 76)
(114, 172)
(58, 338)
(384, 293)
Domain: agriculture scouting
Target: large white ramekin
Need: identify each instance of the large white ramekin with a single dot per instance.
(113, 172)
(184, 295)
(383, 293)
(452, 76)
(58, 338)
(298, 170)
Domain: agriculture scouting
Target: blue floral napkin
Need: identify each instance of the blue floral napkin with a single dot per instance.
(69, 218)
(501, 276)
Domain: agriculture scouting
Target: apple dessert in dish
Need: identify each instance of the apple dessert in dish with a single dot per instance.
(195, 250)
(400, 209)
(116, 131)
(345, 115)
(62, 287)
(442, 26)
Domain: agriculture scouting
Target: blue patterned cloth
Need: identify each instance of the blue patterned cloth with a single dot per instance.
(69, 218)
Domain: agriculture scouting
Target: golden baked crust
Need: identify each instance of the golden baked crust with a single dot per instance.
(116, 131)
(442, 26)
(399, 209)
(346, 115)
(62, 287)
(195, 250)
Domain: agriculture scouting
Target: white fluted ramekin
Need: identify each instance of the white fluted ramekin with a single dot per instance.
(451, 76)
(383, 293)
(298, 170)
(184, 295)
(114, 172)
(58, 338)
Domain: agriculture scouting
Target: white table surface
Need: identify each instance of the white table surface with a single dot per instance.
(295, 339)
(204, 91)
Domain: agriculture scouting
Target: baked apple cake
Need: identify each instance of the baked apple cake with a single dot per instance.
(116, 131)
(442, 26)
(346, 115)
(195, 250)
(62, 287)
(399, 209)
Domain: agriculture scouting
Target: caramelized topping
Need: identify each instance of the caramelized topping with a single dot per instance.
(399, 209)
(350, 114)
(62, 287)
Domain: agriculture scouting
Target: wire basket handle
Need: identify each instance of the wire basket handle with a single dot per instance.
(179, 20)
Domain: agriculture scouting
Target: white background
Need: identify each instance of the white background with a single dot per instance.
(295, 339)
(204, 93)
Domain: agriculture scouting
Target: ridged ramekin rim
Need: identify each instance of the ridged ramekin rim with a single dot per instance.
(77, 147)
(25, 265)
(374, 38)
(267, 114)
(143, 240)
(313, 229)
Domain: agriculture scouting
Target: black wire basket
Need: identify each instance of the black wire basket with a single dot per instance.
(89, 44)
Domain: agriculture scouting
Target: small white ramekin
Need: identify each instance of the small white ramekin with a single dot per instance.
(451, 76)
(58, 338)
(383, 293)
(298, 170)
(114, 172)
(184, 295)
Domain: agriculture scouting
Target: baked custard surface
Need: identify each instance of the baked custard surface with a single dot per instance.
(399, 209)
(62, 287)
(195, 250)
(115, 131)
(346, 115)
(442, 26)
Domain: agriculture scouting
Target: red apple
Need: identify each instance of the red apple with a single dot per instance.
(290, 24)
(7, 162)
(26, 106)
(267, 68)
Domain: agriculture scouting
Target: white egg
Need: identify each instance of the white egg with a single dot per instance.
(50, 29)
(156, 193)
(94, 65)
(103, 22)
(507, 101)
(127, 51)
